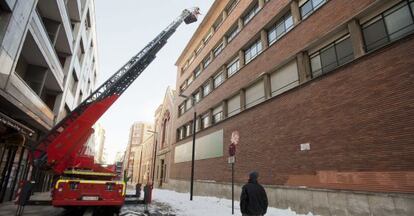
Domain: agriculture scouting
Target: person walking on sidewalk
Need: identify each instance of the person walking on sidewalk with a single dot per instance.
(253, 199)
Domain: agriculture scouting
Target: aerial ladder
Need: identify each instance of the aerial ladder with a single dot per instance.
(80, 181)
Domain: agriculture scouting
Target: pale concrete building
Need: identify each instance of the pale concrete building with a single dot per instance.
(48, 65)
(164, 137)
(137, 135)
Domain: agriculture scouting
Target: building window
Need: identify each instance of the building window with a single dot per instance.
(206, 89)
(183, 86)
(281, 27)
(197, 71)
(181, 109)
(190, 80)
(188, 129)
(164, 132)
(186, 66)
(232, 33)
(207, 61)
(254, 50)
(255, 94)
(309, 7)
(208, 36)
(217, 114)
(188, 104)
(205, 120)
(249, 16)
(218, 49)
(218, 79)
(233, 67)
(191, 59)
(332, 56)
(389, 26)
(284, 78)
(232, 4)
(233, 105)
(197, 97)
(181, 132)
(218, 22)
(199, 48)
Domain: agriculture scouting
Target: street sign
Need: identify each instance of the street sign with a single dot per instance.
(232, 149)
(231, 159)
(235, 137)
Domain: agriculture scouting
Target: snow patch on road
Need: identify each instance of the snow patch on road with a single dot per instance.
(202, 206)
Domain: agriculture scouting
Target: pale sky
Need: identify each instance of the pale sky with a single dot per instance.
(124, 27)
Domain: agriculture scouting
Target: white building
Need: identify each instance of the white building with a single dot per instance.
(48, 65)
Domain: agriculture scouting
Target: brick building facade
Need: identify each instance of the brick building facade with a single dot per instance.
(320, 91)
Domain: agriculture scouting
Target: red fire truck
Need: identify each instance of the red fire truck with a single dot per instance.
(79, 181)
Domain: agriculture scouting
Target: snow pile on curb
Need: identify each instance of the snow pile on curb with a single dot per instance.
(202, 206)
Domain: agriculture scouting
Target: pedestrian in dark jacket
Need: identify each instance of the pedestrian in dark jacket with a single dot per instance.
(253, 199)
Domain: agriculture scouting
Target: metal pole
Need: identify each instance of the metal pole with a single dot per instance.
(232, 188)
(192, 156)
(155, 157)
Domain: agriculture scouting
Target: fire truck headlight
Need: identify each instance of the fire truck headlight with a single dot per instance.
(60, 190)
(120, 191)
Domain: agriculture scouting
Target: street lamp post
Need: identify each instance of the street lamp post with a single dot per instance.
(193, 148)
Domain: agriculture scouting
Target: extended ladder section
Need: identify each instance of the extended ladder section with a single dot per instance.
(61, 147)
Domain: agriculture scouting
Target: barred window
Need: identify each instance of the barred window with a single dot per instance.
(253, 51)
(332, 56)
(249, 16)
(389, 26)
(233, 67)
(308, 7)
(284, 25)
(218, 79)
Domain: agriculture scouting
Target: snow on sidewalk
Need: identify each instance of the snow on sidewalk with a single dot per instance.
(202, 206)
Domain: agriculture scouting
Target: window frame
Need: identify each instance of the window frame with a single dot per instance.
(255, 46)
(283, 20)
(333, 44)
(234, 31)
(253, 11)
(235, 61)
(382, 17)
(218, 49)
(313, 8)
(219, 74)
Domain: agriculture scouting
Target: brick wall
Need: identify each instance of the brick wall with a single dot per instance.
(358, 120)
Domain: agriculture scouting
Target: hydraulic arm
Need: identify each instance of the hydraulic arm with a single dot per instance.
(61, 148)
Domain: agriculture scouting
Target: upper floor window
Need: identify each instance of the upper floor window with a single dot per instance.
(232, 33)
(218, 49)
(199, 48)
(191, 59)
(282, 26)
(188, 129)
(254, 50)
(190, 80)
(232, 4)
(218, 22)
(332, 56)
(205, 120)
(308, 7)
(217, 114)
(208, 36)
(233, 67)
(197, 71)
(181, 109)
(392, 24)
(233, 105)
(218, 79)
(197, 97)
(206, 89)
(186, 66)
(255, 94)
(249, 16)
(188, 104)
(207, 61)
